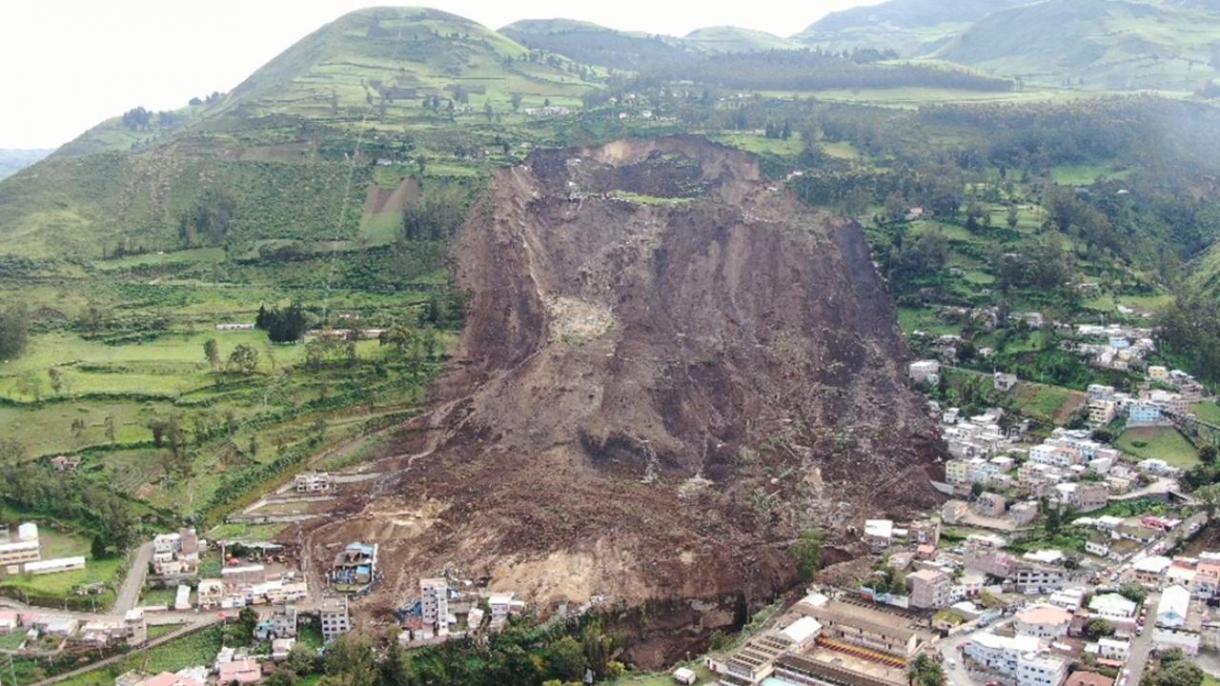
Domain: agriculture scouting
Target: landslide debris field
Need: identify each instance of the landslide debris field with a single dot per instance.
(670, 367)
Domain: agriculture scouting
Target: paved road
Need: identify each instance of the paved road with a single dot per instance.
(957, 674)
(1141, 645)
(129, 593)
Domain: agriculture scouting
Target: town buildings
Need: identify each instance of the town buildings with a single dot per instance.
(176, 554)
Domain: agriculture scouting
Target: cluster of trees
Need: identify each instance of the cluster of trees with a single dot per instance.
(35, 488)
(1174, 670)
(208, 99)
(208, 220)
(924, 671)
(524, 653)
(808, 553)
(913, 260)
(286, 325)
(781, 131)
(1047, 268)
(242, 360)
(137, 118)
(14, 330)
(1189, 328)
(437, 215)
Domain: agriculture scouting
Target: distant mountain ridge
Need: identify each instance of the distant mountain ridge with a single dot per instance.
(1103, 44)
(595, 44)
(910, 27)
(1095, 44)
(13, 160)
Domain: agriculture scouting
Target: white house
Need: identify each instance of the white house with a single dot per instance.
(1112, 606)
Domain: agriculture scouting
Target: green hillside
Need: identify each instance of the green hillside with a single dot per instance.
(1097, 44)
(277, 144)
(592, 44)
(909, 27)
(736, 39)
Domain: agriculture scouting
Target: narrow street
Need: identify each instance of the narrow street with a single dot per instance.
(1141, 646)
(129, 592)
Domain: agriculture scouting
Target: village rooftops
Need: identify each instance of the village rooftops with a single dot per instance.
(1155, 564)
(171, 679)
(1088, 679)
(838, 668)
(1014, 644)
(801, 631)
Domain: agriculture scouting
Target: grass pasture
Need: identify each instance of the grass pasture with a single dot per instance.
(57, 544)
(1160, 442)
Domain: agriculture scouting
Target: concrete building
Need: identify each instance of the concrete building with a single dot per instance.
(929, 589)
(355, 565)
(1035, 669)
(1143, 413)
(1004, 382)
(1102, 412)
(334, 617)
(1034, 578)
(1112, 606)
(999, 654)
(434, 595)
(62, 564)
(1172, 610)
(865, 627)
(991, 505)
(924, 371)
(176, 554)
(879, 533)
(1043, 621)
(22, 547)
(313, 483)
(1150, 571)
(1023, 513)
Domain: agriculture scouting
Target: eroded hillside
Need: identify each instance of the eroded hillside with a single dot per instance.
(669, 369)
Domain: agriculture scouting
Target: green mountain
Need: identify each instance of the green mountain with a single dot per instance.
(909, 27)
(736, 39)
(593, 44)
(277, 144)
(1101, 44)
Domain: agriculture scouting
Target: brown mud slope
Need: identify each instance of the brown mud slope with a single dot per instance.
(669, 369)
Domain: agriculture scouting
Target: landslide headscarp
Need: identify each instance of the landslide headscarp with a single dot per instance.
(669, 369)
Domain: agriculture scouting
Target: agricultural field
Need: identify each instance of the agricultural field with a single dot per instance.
(127, 368)
(1047, 403)
(1207, 411)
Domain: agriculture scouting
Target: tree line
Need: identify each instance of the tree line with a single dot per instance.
(14, 330)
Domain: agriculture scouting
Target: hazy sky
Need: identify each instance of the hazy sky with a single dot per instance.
(67, 65)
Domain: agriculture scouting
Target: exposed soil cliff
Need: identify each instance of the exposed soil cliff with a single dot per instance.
(669, 369)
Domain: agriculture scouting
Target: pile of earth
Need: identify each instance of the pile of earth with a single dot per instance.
(670, 368)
